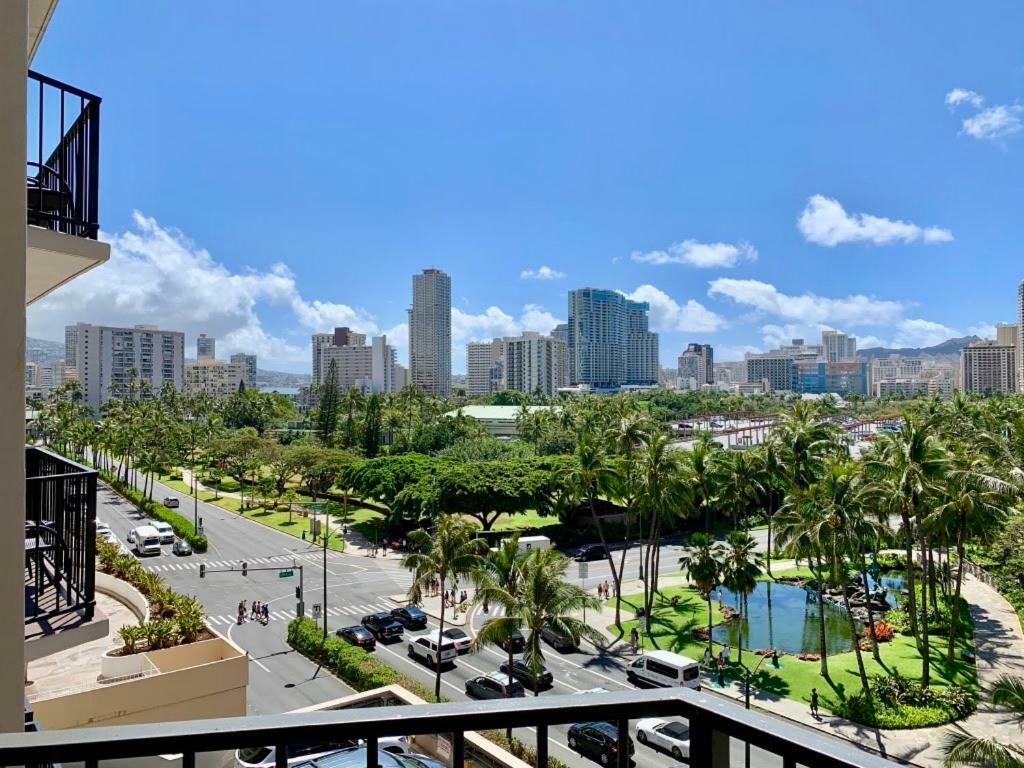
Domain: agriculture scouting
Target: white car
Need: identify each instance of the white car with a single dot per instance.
(165, 531)
(264, 757)
(593, 690)
(665, 735)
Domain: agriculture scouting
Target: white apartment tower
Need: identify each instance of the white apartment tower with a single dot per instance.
(106, 356)
(838, 347)
(320, 342)
(534, 364)
(215, 378)
(430, 333)
(482, 358)
(368, 368)
(249, 361)
(990, 367)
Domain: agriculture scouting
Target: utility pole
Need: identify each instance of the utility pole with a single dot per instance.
(326, 533)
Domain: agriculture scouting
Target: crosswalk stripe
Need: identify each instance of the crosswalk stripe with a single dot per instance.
(278, 615)
(213, 619)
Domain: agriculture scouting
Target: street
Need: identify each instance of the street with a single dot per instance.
(282, 680)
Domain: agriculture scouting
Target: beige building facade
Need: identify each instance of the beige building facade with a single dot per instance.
(215, 378)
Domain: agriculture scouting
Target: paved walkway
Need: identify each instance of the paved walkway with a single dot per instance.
(999, 644)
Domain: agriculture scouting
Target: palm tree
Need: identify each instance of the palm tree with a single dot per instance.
(803, 442)
(450, 552)
(703, 566)
(962, 749)
(741, 569)
(739, 484)
(546, 601)
(703, 458)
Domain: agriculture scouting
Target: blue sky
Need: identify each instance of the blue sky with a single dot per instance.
(755, 170)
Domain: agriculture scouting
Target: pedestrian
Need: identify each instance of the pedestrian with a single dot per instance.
(814, 703)
(600, 591)
(384, 548)
(606, 590)
(721, 671)
(266, 614)
(462, 597)
(241, 611)
(707, 657)
(255, 609)
(725, 653)
(775, 657)
(487, 607)
(634, 639)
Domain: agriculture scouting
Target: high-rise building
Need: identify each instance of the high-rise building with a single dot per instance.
(1019, 351)
(532, 363)
(215, 377)
(776, 371)
(1006, 334)
(481, 359)
(838, 347)
(346, 337)
(696, 365)
(206, 347)
(320, 342)
(368, 368)
(989, 367)
(105, 358)
(610, 344)
(430, 332)
(249, 361)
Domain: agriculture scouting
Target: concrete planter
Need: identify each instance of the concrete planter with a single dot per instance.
(123, 666)
(125, 593)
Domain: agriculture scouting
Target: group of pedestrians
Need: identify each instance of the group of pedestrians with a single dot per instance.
(603, 590)
(452, 599)
(259, 612)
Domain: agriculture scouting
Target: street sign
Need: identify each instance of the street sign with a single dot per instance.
(584, 567)
(316, 610)
(643, 623)
(285, 573)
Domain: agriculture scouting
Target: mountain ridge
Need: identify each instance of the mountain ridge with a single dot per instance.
(945, 348)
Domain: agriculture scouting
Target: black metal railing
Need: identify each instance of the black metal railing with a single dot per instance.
(60, 536)
(63, 183)
(713, 723)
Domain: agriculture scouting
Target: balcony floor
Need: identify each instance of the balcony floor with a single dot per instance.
(50, 634)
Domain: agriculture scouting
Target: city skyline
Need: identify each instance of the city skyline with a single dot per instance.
(745, 211)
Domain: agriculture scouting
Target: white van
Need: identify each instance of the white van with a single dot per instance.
(165, 531)
(424, 648)
(146, 540)
(533, 542)
(664, 669)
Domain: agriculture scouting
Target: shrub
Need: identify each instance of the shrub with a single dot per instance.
(884, 632)
(899, 620)
(898, 702)
(183, 528)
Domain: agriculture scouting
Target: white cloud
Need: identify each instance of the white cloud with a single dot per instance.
(808, 308)
(729, 353)
(669, 315)
(490, 323)
(984, 330)
(912, 332)
(536, 318)
(541, 273)
(996, 122)
(158, 275)
(824, 221)
(959, 96)
(697, 254)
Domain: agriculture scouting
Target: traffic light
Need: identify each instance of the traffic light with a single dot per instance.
(202, 570)
(245, 568)
(298, 593)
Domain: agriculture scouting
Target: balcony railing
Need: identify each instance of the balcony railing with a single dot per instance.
(63, 157)
(713, 723)
(60, 536)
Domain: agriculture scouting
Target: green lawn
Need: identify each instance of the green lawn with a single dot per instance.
(671, 629)
(183, 487)
(279, 519)
(529, 519)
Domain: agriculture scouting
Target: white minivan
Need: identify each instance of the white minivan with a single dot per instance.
(165, 531)
(424, 648)
(664, 669)
(145, 540)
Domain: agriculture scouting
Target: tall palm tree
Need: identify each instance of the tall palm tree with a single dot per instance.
(740, 484)
(546, 600)
(804, 442)
(703, 458)
(963, 750)
(448, 553)
(741, 568)
(703, 566)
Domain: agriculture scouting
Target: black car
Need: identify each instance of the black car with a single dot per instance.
(383, 626)
(599, 741)
(521, 671)
(357, 635)
(181, 548)
(514, 643)
(590, 552)
(557, 640)
(410, 617)
(494, 686)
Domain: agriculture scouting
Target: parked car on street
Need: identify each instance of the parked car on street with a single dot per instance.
(357, 635)
(171, 502)
(521, 671)
(590, 552)
(494, 686)
(264, 757)
(410, 617)
(463, 642)
(599, 741)
(665, 735)
(165, 531)
(181, 547)
(557, 640)
(355, 757)
(514, 643)
(383, 626)
(426, 649)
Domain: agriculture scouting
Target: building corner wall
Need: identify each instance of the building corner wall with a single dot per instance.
(13, 249)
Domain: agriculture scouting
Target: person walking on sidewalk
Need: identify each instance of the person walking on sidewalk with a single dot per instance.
(814, 704)
(634, 639)
(265, 610)
(241, 611)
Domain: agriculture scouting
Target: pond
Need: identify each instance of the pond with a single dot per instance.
(783, 616)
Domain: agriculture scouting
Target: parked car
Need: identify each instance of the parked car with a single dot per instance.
(590, 552)
(514, 643)
(666, 736)
(592, 690)
(108, 536)
(264, 757)
(425, 648)
(383, 626)
(171, 502)
(521, 671)
(416, 760)
(463, 642)
(557, 640)
(181, 547)
(494, 686)
(599, 741)
(165, 531)
(357, 635)
(410, 617)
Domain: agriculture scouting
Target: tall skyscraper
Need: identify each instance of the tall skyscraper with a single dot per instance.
(838, 347)
(249, 361)
(430, 333)
(105, 357)
(990, 367)
(206, 347)
(697, 363)
(533, 364)
(609, 342)
(1020, 336)
(368, 368)
(642, 364)
(481, 359)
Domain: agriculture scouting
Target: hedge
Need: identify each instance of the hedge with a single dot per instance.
(183, 528)
(364, 672)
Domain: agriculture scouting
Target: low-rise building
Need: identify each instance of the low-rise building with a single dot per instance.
(498, 420)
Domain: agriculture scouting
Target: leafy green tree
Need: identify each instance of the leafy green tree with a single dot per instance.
(330, 403)
(741, 568)
(703, 566)
(372, 426)
(966, 750)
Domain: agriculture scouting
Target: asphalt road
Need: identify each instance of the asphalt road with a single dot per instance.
(282, 680)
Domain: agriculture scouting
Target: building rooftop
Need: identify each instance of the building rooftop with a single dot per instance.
(496, 412)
